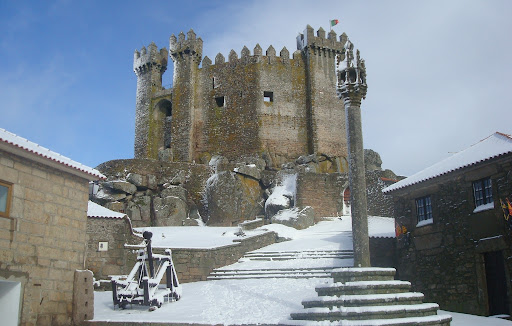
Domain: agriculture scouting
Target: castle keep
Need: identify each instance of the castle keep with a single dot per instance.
(261, 104)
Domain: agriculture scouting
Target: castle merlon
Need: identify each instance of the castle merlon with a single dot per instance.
(247, 58)
(150, 57)
(186, 46)
(320, 41)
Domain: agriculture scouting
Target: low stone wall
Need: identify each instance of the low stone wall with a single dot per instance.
(193, 265)
(382, 252)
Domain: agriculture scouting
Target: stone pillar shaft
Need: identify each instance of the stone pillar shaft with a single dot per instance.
(357, 180)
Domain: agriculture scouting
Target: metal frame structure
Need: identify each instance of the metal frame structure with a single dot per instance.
(142, 286)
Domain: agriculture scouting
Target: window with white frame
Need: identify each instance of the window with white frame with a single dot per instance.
(5, 198)
(424, 210)
(482, 192)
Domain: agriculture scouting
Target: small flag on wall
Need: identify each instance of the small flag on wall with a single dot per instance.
(334, 22)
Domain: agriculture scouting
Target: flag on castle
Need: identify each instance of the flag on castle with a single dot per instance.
(334, 22)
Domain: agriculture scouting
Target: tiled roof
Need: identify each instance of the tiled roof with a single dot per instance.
(493, 146)
(11, 139)
(97, 211)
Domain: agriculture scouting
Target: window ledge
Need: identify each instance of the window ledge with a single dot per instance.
(425, 222)
(485, 207)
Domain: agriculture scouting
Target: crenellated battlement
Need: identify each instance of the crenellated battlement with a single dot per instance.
(257, 56)
(322, 44)
(150, 57)
(186, 46)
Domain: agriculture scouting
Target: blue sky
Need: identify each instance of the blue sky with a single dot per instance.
(439, 72)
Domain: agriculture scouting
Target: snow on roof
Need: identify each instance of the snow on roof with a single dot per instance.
(95, 210)
(493, 146)
(7, 137)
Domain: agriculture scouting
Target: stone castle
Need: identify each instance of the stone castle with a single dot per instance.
(270, 106)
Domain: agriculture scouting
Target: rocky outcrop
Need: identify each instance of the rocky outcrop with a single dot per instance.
(232, 198)
(372, 160)
(298, 218)
(154, 193)
(224, 192)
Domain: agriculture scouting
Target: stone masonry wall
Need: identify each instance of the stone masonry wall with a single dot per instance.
(44, 241)
(322, 191)
(194, 265)
(445, 260)
(116, 233)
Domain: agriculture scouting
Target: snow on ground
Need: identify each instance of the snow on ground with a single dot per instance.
(472, 320)
(220, 302)
(195, 237)
(325, 235)
(256, 301)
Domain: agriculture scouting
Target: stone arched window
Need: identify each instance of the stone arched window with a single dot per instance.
(164, 111)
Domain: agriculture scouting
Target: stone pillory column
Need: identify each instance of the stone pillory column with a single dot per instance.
(352, 88)
(148, 65)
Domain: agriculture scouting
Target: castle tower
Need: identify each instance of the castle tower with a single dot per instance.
(352, 88)
(323, 115)
(149, 65)
(186, 54)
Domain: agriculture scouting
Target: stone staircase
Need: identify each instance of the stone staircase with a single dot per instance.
(364, 297)
(284, 264)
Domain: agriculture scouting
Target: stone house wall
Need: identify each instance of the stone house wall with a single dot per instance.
(445, 259)
(43, 240)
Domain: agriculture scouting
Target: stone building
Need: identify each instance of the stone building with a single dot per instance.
(454, 228)
(262, 104)
(107, 232)
(215, 145)
(43, 207)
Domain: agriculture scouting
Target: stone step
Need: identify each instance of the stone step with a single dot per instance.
(365, 300)
(363, 274)
(277, 258)
(270, 273)
(363, 287)
(249, 276)
(273, 270)
(433, 320)
(298, 253)
(367, 313)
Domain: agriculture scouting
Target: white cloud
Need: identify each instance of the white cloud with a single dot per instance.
(438, 72)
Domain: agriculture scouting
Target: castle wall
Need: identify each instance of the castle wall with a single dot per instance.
(323, 192)
(328, 113)
(230, 126)
(283, 126)
(259, 104)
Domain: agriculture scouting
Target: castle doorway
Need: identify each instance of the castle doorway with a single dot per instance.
(496, 283)
(346, 201)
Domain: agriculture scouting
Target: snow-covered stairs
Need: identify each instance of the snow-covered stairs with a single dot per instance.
(367, 296)
(285, 264)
